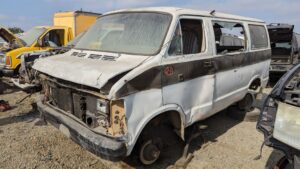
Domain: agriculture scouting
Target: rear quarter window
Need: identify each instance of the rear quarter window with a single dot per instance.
(258, 35)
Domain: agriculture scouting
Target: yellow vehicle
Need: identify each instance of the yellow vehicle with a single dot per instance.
(66, 25)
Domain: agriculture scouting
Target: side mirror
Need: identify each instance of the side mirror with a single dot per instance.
(40, 43)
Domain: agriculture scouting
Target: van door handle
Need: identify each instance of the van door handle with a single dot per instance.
(207, 63)
(235, 70)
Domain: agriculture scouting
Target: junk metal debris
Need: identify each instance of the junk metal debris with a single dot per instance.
(4, 106)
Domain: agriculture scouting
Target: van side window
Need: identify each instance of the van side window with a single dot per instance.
(188, 38)
(229, 37)
(258, 35)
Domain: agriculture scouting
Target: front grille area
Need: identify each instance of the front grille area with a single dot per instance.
(82, 106)
(62, 98)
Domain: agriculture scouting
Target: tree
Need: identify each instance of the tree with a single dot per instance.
(15, 30)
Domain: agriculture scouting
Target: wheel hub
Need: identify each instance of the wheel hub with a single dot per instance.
(149, 153)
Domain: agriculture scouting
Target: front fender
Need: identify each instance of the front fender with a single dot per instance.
(15, 61)
(151, 115)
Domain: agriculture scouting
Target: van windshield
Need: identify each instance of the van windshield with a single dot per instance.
(32, 35)
(131, 33)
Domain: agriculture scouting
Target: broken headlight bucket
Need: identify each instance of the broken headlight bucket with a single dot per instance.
(102, 106)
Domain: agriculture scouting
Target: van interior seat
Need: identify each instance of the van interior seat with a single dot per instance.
(192, 36)
(191, 41)
(56, 39)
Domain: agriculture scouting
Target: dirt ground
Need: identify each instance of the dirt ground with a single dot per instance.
(226, 144)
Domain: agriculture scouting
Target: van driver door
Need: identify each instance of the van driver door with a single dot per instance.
(52, 39)
(188, 72)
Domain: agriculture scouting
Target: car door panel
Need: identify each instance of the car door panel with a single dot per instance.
(188, 81)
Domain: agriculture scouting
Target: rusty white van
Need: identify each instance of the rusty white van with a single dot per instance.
(136, 70)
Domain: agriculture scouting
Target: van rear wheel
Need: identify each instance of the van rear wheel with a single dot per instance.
(246, 104)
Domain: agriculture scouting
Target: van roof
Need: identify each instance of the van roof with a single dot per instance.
(185, 11)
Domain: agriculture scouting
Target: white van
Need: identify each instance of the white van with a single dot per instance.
(135, 70)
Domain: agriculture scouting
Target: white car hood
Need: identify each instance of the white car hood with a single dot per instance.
(86, 71)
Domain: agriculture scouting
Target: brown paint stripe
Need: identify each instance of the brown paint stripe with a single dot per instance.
(155, 77)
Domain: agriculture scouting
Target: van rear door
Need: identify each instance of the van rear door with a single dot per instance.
(281, 37)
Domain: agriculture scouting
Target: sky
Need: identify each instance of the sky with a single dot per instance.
(29, 13)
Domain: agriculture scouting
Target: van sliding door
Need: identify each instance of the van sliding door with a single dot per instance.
(230, 52)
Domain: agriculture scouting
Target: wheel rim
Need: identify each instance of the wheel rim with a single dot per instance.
(149, 153)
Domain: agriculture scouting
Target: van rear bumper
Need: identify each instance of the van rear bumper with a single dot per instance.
(280, 68)
(105, 147)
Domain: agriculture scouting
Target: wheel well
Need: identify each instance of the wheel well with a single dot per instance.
(256, 83)
(171, 118)
(159, 131)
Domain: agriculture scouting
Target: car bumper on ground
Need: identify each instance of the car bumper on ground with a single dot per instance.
(105, 147)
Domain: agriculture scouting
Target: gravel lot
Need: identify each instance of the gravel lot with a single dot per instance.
(226, 144)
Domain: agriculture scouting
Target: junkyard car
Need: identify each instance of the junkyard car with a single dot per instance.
(280, 119)
(66, 26)
(27, 80)
(285, 45)
(37, 38)
(136, 70)
(2, 43)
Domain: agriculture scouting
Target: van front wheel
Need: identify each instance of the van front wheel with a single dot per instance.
(150, 151)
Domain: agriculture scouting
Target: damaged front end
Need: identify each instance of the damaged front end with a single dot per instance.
(27, 79)
(12, 41)
(280, 117)
(8, 42)
(84, 115)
